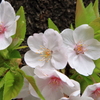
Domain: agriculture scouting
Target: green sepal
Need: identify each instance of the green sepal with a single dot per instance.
(96, 8)
(81, 15)
(52, 25)
(71, 26)
(33, 83)
(95, 24)
(90, 13)
(13, 84)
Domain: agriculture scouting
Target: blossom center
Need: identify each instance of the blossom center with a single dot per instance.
(2, 29)
(79, 49)
(55, 81)
(45, 54)
(97, 92)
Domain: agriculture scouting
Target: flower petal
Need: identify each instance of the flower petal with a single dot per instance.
(90, 89)
(41, 83)
(93, 49)
(51, 93)
(52, 39)
(67, 36)
(7, 13)
(68, 90)
(83, 33)
(43, 73)
(4, 43)
(32, 59)
(10, 30)
(59, 58)
(30, 97)
(28, 70)
(81, 63)
(35, 42)
(64, 79)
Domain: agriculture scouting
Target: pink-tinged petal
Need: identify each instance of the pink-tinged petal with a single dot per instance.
(92, 91)
(64, 79)
(67, 36)
(59, 58)
(35, 42)
(52, 39)
(68, 90)
(8, 14)
(92, 49)
(83, 33)
(32, 59)
(4, 43)
(81, 63)
(52, 93)
(10, 29)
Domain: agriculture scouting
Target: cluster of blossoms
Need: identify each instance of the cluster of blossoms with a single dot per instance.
(51, 51)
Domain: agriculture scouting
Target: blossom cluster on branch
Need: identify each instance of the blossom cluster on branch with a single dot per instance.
(43, 77)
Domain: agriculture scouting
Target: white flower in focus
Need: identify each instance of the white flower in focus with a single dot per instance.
(82, 48)
(46, 50)
(53, 84)
(8, 20)
(76, 96)
(93, 91)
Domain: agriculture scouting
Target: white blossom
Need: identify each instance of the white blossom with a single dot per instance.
(82, 48)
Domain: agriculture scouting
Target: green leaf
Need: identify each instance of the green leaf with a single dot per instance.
(95, 24)
(14, 54)
(81, 14)
(3, 71)
(97, 63)
(33, 83)
(97, 35)
(1, 93)
(90, 13)
(21, 30)
(96, 8)
(2, 80)
(13, 85)
(52, 25)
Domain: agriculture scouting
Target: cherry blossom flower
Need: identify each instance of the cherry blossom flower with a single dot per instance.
(46, 50)
(8, 20)
(82, 48)
(93, 91)
(76, 96)
(53, 84)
